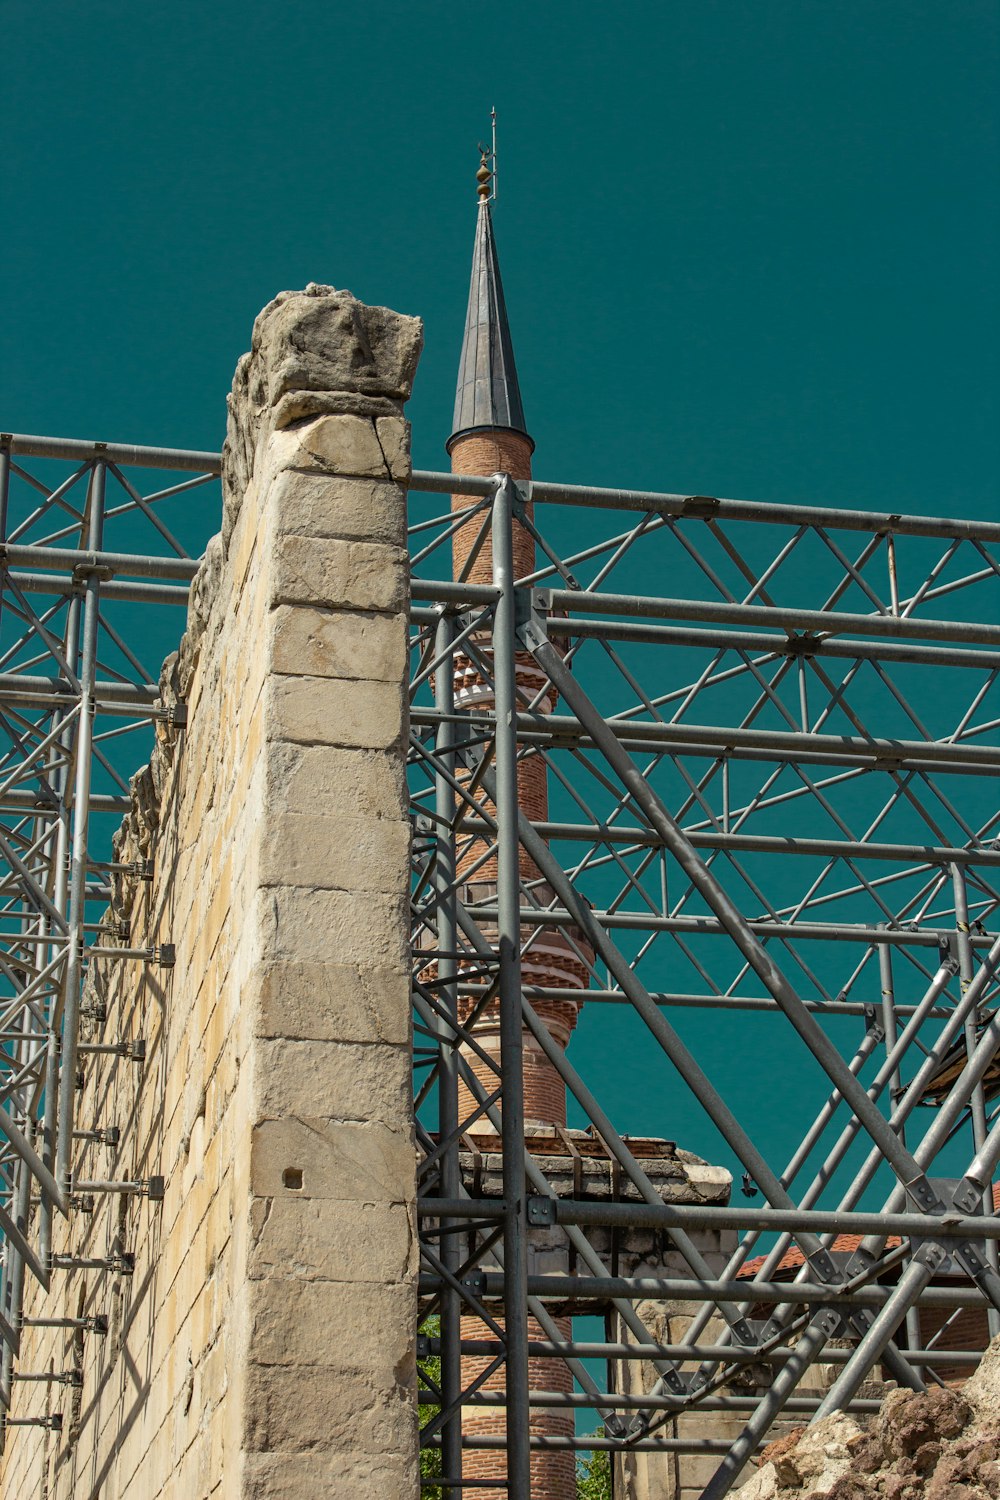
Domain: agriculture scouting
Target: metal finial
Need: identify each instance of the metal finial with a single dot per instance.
(486, 176)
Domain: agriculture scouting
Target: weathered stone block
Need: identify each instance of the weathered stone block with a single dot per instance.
(333, 1002)
(337, 574)
(298, 1411)
(367, 510)
(364, 1329)
(323, 339)
(333, 643)
(357, 447)
(336, 852)
(316, 1239)
(339, 1080)
(331, 711)
(310, 778)
(362, 1476)
(344, 927)
(346, 1161)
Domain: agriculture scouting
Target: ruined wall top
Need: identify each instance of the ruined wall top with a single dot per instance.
(314, 353)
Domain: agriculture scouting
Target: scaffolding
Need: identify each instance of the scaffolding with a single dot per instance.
(92, 581)
(777, 791)
(774, 806)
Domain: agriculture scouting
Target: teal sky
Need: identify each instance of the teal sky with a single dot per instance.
(749, 249)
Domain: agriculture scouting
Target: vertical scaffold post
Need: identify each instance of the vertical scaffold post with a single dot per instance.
(509, 945)
(60, 846)
(81, 825)
(447, 970)
(888, 988)
(14, 1283)
(4, 505)
(9, 1252)
(977, 1103)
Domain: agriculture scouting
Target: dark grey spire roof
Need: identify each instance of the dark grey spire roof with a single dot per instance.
(488, 394)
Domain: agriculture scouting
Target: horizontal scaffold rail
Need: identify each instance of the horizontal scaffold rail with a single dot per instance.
(810, 622)
(699, 507)
(544, 491)
(930, 936)
(136, 564)
(762, 744)
(134, 455)
(628, 836)
(701, 1216)
(774, 647)
(491, 1285)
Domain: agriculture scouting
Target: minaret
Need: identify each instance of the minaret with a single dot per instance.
(489, 437)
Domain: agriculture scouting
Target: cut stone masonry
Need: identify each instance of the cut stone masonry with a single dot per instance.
(263, 1346)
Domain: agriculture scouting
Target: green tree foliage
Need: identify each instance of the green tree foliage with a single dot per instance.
(593, 1475)
(430, 1458)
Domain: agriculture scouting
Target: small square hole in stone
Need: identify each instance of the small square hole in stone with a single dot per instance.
(292, 1177)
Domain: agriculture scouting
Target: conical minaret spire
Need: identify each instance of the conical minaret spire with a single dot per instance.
(488, 395)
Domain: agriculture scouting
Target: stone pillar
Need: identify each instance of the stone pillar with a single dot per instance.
(330, 1318)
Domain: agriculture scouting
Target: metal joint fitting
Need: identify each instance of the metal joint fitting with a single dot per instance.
(524, 606)
(968, 1196)
(925, 1195)
(826, 1269)
(83, 572)
(699, 506)
(931, 1254)
(472, 755)
(743, 1332)
(541, 1211)
(530, 631)
(828, 1320)
(522, 498)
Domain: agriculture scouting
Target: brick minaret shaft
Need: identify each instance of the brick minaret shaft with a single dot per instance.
(490, 438)
(549, 960)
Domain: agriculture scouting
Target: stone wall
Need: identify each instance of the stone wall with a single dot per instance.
(263, 1344)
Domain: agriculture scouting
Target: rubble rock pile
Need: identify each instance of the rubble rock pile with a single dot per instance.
(937, 1444)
